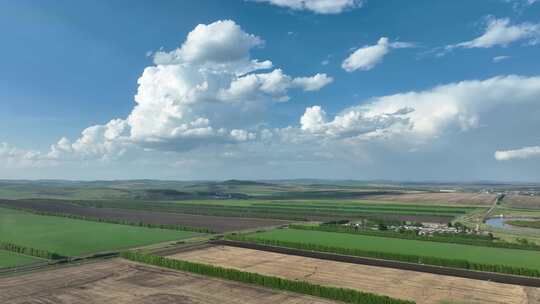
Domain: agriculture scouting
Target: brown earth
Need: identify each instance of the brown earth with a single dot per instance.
(424, 288)
(122, 282)
(522, 201)
(214, 223)
(458, 198)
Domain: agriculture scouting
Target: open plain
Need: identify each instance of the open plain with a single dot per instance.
(423, 288)
(122, 282)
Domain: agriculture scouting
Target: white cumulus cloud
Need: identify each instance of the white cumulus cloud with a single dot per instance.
(317, 6)
(207, 91)
(425, 115)
(367, 57)
(523, 153)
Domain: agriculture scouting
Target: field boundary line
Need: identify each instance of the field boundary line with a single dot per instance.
(456, 272)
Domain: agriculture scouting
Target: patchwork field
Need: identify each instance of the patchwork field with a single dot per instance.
(122, 282)
(214, 223)
(487, 255)
(76, 237)
(294, 209)
(423, 288)
(11, 259)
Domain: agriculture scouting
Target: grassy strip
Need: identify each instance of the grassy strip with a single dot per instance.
(110, 221)
(455, 263)
(272, 213)
(409, 236)
(332, 293)
(40, 253)
(528, 224)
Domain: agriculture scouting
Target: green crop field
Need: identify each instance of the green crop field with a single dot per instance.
(290, 209)
(486, 255)
(11, 259)
(72, 237)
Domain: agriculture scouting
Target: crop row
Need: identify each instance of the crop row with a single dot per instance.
(333, 293)
(259, 212)
(455, 263)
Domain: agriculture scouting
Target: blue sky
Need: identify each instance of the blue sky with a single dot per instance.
(68, 66)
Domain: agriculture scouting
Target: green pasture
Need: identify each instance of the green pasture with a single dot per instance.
(11, 259)
(476, 254)
(73, 237)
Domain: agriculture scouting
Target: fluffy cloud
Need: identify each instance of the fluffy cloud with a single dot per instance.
(425, 115)
(317, 6)
(96, 142)
(350, 123)
(367, 57)
(523, 153)
(208, 91)
(500, 32)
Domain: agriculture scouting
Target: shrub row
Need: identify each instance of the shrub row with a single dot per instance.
(465, 240)
(454, 263)
(333, 293)
(40, 253)
(112, 221)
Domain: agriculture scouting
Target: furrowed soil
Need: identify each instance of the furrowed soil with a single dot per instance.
(459, 198)
(123, 282)
(424, 288)
(215, 223)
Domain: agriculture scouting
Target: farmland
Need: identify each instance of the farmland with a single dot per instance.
(11, 259)
(72, 237)
(523, 223)
(295, 209)
(214, 223)
(122, 282)
(475, 254)
(393, 282)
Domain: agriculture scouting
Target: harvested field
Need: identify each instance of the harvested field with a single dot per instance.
(522, 201)
(119, 281)
(458, 198)
(423, 288)
(214, 223)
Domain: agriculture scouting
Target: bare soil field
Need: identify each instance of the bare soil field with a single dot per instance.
(424, 288)
(458, 198)
(522, 201)
(215, 223)
(119, 281)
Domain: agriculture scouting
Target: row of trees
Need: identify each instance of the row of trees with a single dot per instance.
(454, 263)
(115, 221)
(441, 238)
(333, 293)
(40, 253)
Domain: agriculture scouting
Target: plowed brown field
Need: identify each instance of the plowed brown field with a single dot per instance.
(122, 282)
(424, 288)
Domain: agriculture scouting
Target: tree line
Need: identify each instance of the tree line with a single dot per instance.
(332, 293)
(457, 239)
(418, 259)
(40, 253)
